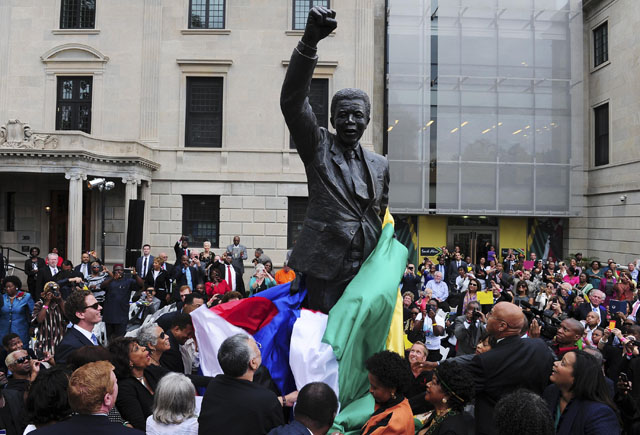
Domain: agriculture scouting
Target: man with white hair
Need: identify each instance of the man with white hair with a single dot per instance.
(230, 395)
(439, 288)
(596, 297)
(46, 274)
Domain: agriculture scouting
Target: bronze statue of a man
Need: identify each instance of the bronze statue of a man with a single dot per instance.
(348, 185)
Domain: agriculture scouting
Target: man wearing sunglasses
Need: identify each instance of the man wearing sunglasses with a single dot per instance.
(23, 370)
(83, 310)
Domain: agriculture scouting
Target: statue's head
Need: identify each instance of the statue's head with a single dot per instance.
(350, 111)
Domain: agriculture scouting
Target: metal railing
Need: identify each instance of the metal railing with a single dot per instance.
(7, 260)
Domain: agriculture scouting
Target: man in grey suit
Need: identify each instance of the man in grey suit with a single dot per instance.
(238, 254)
(348, 185)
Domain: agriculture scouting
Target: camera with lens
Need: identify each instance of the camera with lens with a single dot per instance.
(548, 323)
(476, 314)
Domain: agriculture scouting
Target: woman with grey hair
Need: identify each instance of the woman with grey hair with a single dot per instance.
(174, 406)
(155, 340)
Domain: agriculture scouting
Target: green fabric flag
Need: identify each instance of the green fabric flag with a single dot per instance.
(359, 322)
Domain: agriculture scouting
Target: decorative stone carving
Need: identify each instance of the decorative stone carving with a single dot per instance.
(16, 134)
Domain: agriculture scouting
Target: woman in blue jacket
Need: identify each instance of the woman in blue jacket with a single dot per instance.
(15, 313)
(579, 398)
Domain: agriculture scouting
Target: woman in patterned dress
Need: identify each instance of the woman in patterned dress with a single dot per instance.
(48, 317)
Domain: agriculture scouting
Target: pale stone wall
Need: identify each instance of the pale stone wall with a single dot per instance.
(609, 226)
(139, 55)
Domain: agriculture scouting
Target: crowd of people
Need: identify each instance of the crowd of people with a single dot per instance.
(558, 333)
(517, 346)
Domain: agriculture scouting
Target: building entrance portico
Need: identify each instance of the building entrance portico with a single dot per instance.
(43, 190)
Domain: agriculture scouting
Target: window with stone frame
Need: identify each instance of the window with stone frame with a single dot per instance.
(201, 218)
(78, 14)
(297, 210)
(600, 44)
(601, 135)
(301, 11)
(203, 124)
(319, 101)
(206, 14)
(73, 107)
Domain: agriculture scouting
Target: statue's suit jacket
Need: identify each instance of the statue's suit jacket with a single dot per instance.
(334, 213)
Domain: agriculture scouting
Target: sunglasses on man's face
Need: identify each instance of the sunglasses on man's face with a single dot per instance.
(23, 359)
(162, 335)
(94, 306)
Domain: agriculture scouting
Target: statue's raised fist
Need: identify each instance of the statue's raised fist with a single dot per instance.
(320, 23)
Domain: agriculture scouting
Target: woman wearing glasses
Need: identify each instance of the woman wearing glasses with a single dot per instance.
(138, 372)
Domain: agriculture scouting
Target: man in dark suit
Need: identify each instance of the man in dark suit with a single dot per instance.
(596, 297)
(145, 263)
(83, 310)
(32, 265)
(191, 302)
(181, 330)
(231, 274)
(512, 363)
(46, 274)
(452, 272)
(442, 267)
(183, 274)
(116, 302)
(348, 185)
(316, 408)
(14, 416)
(85, 265)
(92, 399)
(410, 281)
(182, 248)
(229, 395)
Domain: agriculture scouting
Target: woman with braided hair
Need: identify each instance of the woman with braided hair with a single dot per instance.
(450, 390)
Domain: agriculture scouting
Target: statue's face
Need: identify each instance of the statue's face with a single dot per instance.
(350, 120)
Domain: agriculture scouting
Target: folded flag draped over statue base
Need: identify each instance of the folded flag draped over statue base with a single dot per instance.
(301, 346)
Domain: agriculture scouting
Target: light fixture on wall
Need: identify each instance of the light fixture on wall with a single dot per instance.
(100, 184)
(623, 198)
(47, 209)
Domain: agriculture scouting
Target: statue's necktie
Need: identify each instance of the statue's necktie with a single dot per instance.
(359, 186)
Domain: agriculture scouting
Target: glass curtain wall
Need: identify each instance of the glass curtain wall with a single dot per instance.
(485, 106)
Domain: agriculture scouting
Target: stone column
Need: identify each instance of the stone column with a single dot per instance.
(74, 219)
(5, 41)
(130, 192)
(364, 59)
(150, 57)
(145, 194)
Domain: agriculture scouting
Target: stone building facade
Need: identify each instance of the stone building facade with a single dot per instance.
(610, 223)
(139, 59)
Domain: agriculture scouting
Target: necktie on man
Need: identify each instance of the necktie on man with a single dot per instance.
(144, 267)
(359, 186)
(94, 339)
(229, 279)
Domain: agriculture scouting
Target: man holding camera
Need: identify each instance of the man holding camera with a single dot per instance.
(410, 281)
(469, 328)
(567, 338)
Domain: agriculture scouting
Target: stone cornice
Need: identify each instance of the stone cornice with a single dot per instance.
(82, 155)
